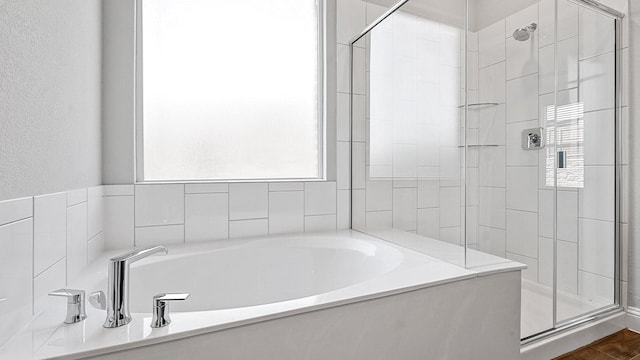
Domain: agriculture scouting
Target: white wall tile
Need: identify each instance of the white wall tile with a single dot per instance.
(379, 220)
(16, 260)
(597, 82)
(567, 260)
(491, 44)
(599, 137)
(359, 75)
(16, 209)
(567, 215)
(597, 199)
(492, 169)
(522, 233)
(522, 188)
(492, 83)
(429, 222)
(286, 186)
(450, 206)
(76, 240)
(358, 215)
(522, 57)
(451, 235)
(567, 19)
(545, 261)
(594, 287)
(546, 22)
(159, 204)
(492, 125)
(118, 222)
(95, 211)
(358, 174)
(343, 165)
(320, 198)
(76, 196)
(492, 240)
(320, 223)
(159, 235)
(492, 207)
(95, 247)
(206, 216)
(597, 33)
(546, 69)
(343, 209)
(343, 114)
(248, 201)
(567, 63)
(286, 212)
(248, 228)
(50, 230)
(597, 247)
(342, 69)
(379, 195)
(118, 190)
(358, 111)
(546, 212)
(405, 208)
(428, 193)
(206, 188)
(53, 278)
(522, 104)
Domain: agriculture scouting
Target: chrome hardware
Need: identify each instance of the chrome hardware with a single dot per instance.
(75, 304)
(98, 300)
(118, 285)
(161, 308)
(533, 139)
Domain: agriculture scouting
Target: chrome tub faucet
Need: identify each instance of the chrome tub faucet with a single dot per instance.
(118, 285)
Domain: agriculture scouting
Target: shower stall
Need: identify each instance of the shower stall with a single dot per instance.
(493, 129)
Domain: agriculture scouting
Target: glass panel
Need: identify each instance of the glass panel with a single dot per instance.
(201, 73)
(584, 130)
(407, 168)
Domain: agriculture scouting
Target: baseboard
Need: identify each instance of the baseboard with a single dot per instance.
(633, 318)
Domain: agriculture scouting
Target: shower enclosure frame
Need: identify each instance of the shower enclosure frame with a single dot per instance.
(598, 314)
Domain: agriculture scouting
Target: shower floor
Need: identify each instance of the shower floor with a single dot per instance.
(537, 307)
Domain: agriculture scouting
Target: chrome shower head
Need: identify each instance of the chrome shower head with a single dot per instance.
(524, 33)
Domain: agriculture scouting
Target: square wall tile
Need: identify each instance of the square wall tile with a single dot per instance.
(428, 193)
(16, 259)
(286, 212)
(320, 198)
(567, 215)
(429, 222)
(522, 56)
(405, 209)
(597, 82)
(49, 230)
(344, 209)
(53, 278)
(159, 204)
(492, 83)
(14, 210)
(379, 195)
(379, 220)
(76, 240)
(596, 199)
(522, 233)
(450, 206)
(248, 228)
(451, 235)
(597, 247)
(492, 166)
(118, 222)
(599, 137)
(248, 201)
(206, 216)
(596, 288)
(492, 125)
(597, 33)
(492, 207)
(159, 235)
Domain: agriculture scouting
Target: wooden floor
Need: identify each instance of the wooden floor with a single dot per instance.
(623, 345)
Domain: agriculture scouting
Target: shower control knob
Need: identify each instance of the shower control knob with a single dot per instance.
(161, 308)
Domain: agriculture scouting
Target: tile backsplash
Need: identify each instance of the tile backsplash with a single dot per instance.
(45, 242)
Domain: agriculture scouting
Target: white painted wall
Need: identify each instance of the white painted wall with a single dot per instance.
(50, 96)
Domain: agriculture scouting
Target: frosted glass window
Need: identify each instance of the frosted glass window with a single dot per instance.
(231, 89)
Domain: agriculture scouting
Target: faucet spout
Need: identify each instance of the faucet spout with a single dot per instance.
(118, 284)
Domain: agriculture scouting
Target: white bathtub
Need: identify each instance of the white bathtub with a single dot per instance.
(302, 296)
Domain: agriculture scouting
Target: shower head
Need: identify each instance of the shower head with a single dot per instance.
(524, 33)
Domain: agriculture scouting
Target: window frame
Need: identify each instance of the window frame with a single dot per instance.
(321, 117)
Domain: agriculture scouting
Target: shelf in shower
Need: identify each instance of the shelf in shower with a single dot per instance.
(478, 145)
(479, 105)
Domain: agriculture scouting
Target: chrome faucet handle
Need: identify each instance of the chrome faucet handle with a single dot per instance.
(161, 308)
(75, 304)
(98, 300)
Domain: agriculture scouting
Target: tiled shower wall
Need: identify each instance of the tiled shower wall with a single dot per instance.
(516, 205)
(45, 241)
